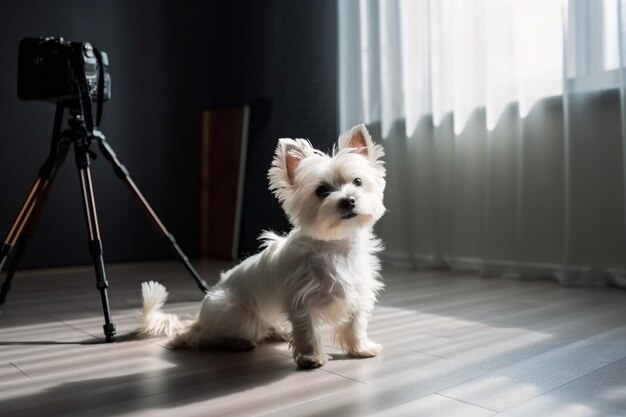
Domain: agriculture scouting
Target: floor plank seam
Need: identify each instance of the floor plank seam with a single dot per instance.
(429, 354)
(316, 400)
(17, 367)
(93, 336)
(465, 402)
(344, 376)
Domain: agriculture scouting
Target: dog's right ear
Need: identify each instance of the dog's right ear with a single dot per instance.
(288, 155)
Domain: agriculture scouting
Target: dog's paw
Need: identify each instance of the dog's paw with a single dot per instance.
(368, 350)
(311, 361)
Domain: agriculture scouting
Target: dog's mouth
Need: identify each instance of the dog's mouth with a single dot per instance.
(348, 215)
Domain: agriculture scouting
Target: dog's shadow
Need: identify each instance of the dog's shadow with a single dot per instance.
(185, 377)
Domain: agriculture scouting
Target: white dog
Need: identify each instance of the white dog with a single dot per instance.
(324, 272)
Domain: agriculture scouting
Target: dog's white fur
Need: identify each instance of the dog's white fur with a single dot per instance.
(324, 272)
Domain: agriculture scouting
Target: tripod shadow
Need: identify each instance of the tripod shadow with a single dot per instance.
(181, 378)
(128, 337)
(49, 343)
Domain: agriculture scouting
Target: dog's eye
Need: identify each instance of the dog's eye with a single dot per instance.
(358, 182)
(322, 191)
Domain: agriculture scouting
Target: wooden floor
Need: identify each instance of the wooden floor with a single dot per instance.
(454, 345)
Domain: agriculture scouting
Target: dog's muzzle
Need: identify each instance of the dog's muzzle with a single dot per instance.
(347, 205)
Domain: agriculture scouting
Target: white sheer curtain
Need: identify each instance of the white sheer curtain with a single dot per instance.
(505, 127)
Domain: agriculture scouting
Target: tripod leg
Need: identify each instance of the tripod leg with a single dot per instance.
(28, 223)
(122, 172)
(95, 243)
(25, 222)
(15, 260)
(17, 229)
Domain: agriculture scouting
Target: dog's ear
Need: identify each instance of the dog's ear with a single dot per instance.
(359, 139)
(288, 155)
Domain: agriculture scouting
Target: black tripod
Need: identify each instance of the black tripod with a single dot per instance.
(81, 136)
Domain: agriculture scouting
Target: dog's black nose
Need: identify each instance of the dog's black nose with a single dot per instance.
(348, 203)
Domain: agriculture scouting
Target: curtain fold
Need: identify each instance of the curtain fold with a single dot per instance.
(504, 123)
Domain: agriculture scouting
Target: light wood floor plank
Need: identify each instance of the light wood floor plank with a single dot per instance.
(435, 405)
(516, 384)
(599, 394)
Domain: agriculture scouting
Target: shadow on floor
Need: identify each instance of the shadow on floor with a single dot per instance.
(186, 378)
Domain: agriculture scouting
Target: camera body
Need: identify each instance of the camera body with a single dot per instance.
(50, 69)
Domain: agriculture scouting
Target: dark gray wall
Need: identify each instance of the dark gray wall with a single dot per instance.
(169, 60)
(302, 82)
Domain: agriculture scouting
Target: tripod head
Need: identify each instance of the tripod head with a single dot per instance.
(77, 133)
(78, 129)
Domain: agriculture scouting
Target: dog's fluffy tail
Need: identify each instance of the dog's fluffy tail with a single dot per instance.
(154, 321)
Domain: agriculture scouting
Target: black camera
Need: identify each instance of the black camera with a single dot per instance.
(54, 70)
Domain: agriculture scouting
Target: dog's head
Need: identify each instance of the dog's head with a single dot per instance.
(330, 197)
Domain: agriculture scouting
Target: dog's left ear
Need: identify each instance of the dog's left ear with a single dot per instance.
(288, 155)
(359, 139)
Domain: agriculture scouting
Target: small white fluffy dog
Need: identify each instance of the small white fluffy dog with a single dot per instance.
(324, 272)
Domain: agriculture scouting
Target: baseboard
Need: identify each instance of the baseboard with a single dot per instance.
(571, 275)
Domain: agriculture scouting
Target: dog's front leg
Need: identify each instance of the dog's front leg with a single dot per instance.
(305, 342)
(351, 335)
